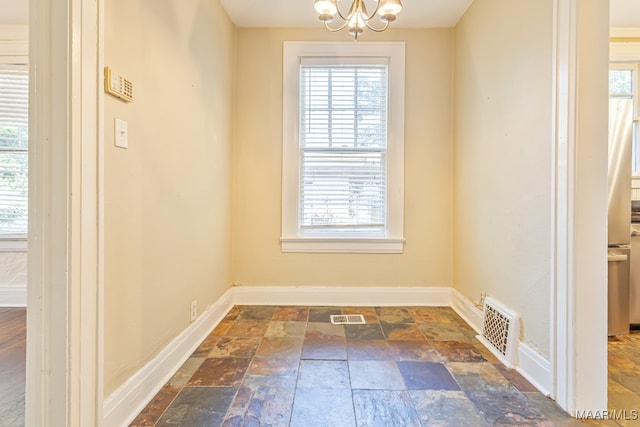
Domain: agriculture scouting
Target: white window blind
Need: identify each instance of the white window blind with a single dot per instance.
(14, 113)
(343, 149)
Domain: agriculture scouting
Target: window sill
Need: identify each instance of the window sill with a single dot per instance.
(343, 245)
(13, 244)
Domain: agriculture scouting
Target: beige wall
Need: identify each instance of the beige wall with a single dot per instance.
(167, 197)
(503, 136)
(257, 165)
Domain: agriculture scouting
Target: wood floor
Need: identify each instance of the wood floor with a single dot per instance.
(13, 331)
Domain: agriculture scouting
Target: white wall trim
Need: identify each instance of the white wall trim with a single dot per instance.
(121, 407)
(13, 296)
(535, 368)
(466, 309)
(342, 296)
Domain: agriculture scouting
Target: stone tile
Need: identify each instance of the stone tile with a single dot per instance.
(280, 347)
(506, 406)
(426, 376)
(198, 406)
(286, 329)
(223, 372)
(257, 312)
(402, 332)
(369, 313)
(222, 328)
(368, 350)
(375, 375)
(291, 314)
(371, 331)
(328, 348)
(454, 351)
(484, 351)
(394, 315)
(413, 350)
(475, 376)
(322, 408)
(327, 374)
(430, 314)
(233, 313)
(260, 406)
(443, 332)
(324, 330)
(272, 373)
(322, 314)
(154, 409)
(384, 408)
(205, 347)
(235, 347)
(248, 328)
(552, 411)
(515, 378)
(185, 372)
(445, 409)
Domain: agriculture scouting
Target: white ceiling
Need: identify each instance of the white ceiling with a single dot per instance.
(300, 13)
(416, 13)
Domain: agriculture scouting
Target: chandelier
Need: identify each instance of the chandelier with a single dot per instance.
(358, 19)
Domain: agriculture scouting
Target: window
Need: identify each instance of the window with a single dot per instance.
(14, 98)
(343, 150)
(623, 87)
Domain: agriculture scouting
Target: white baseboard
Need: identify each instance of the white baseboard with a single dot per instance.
(531, 365)
(13, 296)
(535, 368)
(467, 310)
(121, 407)
(342, 296)
(126, 403)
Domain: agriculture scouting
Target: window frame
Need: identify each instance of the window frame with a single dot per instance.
(292, 240)
(14, 50)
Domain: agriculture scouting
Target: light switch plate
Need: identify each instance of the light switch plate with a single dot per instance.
(121, 133)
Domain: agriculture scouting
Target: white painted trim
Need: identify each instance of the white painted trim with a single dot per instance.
(342, 296)
(345, 246)
(470, 313)
(64, 317)
(13, 296)
(535, 368)
(121, 407)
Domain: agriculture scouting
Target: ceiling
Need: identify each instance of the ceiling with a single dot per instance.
(416, 13)
(300, 13)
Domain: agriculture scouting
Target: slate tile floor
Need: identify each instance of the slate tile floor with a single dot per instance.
(289, 366)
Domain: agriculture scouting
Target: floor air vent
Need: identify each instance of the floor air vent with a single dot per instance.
(500, 332)
(348, 319)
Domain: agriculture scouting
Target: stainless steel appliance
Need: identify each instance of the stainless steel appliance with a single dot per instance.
(634, 277)
(619, 213)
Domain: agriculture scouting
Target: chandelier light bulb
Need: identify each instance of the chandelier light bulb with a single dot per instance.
(388, 9)
(326, 9)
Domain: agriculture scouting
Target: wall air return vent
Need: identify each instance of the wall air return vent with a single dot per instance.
(500, 332)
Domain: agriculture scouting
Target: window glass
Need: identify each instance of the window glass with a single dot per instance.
(14, 140)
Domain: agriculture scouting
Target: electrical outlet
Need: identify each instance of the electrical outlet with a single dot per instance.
(194, 310)
(483, 295)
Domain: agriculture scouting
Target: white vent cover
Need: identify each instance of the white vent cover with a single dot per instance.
(348, 319)
(500, 332)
